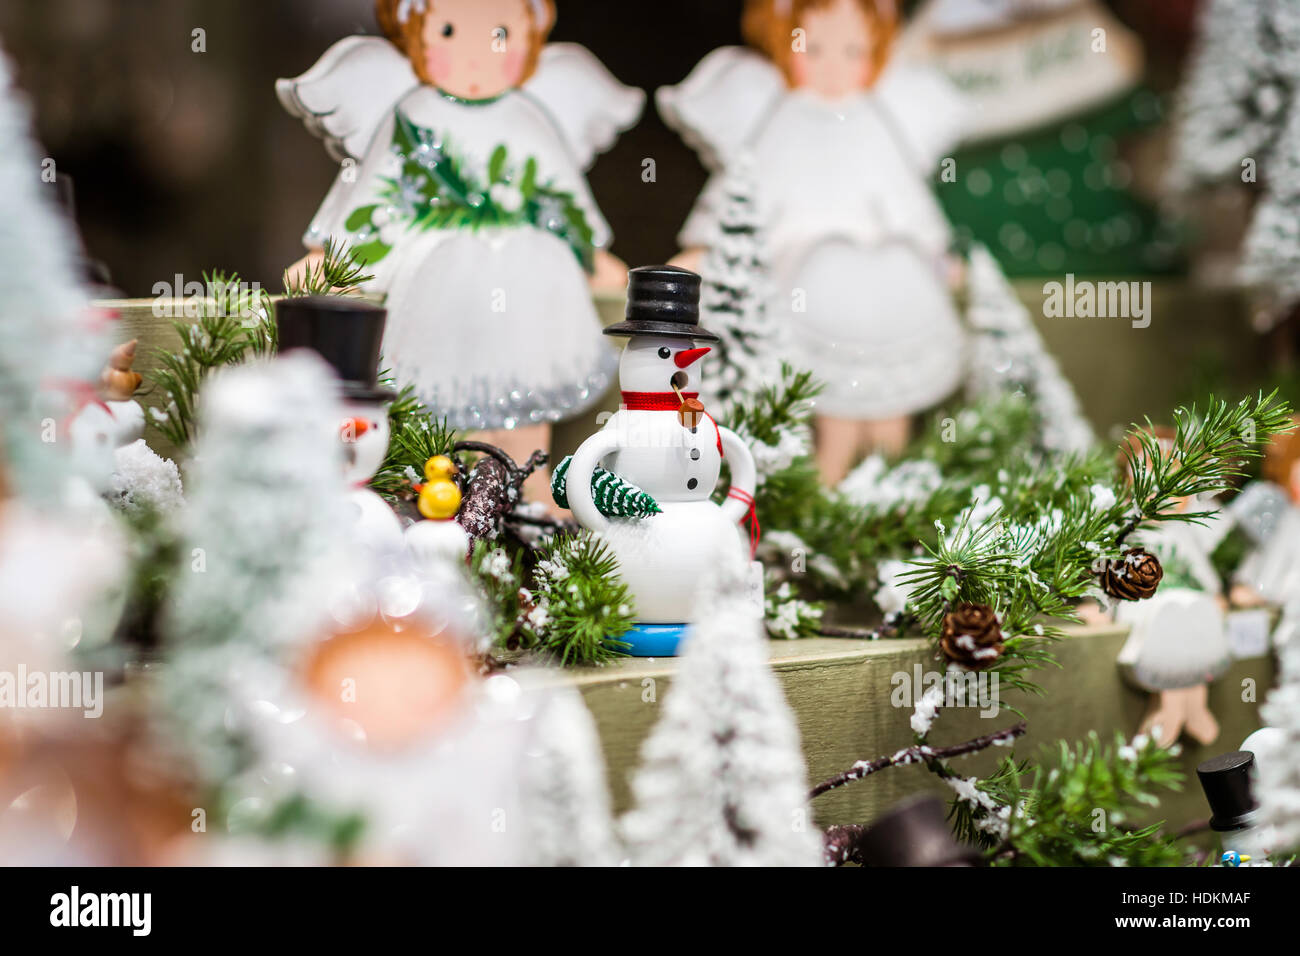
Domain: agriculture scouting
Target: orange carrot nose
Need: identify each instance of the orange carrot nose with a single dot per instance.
(690, 356)
(353, 428)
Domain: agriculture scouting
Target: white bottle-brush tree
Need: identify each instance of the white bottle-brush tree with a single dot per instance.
(733, 297)
(45, 335)
(260, 538)
(564, 798)
(1278, 785)
(1009, 356)
(722, 777)
(1239, 120)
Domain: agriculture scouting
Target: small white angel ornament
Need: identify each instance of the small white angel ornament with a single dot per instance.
(463, 139)
(1268, 511)
(1178, 639)
(843, 145)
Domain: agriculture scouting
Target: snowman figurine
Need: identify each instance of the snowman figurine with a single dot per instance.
(662, 441)
(346, 333)
(438, 538)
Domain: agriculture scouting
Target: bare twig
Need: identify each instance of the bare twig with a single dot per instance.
(517, 473)
(861, 633)
(917, 754)
(890, 627)
(494, 489)
(840, 844)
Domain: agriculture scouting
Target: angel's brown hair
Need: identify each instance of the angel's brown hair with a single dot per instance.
(768, 26)
(409, 36)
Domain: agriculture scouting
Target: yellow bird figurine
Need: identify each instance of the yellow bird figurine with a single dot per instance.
(439, 497)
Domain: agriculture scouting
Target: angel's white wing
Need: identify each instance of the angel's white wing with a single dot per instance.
(721, 102)
(343, 98)
(928, 111)
(588, 104)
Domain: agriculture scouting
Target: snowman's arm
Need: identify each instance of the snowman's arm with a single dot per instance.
(744, 476)
(578, 480)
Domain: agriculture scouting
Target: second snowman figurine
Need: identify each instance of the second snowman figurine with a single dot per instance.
(662, 441)
(346, 333)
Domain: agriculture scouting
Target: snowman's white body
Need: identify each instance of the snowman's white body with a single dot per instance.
(666, 557)
(365, 439)
(377, 527)
(435, 542)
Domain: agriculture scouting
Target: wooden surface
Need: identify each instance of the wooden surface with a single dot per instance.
(840, 691)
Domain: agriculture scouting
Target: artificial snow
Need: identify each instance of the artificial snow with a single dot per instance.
(144, 481)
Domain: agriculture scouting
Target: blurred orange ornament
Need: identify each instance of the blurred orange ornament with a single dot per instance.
(395, 681)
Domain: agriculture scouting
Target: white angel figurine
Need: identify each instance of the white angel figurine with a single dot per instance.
(1269, 513)
(1178, 635)
(1178, 639)
(463, 140)
(843, 150)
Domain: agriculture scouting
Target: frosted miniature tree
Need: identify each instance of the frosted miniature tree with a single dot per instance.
(1233, 98)
(1271, 253)
(564, 799)
(722, 778)
(733, 297)
(43, 325)
(60, 553)
(1008, 355)
(1240, 121)
(1278, 787)
(260, 545)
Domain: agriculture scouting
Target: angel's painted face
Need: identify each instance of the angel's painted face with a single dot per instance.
(836, 55)
(477, 49)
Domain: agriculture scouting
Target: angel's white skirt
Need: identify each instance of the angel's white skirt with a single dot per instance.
(494, 328)
(875, 325)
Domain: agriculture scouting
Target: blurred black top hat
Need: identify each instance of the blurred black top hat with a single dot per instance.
(663, 301)
(345, 332)
(93, 272)
(1227, 785)
(914, 833)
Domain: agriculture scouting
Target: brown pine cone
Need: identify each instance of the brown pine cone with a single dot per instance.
(971, 635)
(1134, 576)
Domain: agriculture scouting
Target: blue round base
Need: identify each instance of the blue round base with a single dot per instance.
(653, 640)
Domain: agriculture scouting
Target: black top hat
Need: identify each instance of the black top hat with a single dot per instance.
(93, 272)
(345, 332)
(1226, 782)
(663, 301)
(915, 833)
